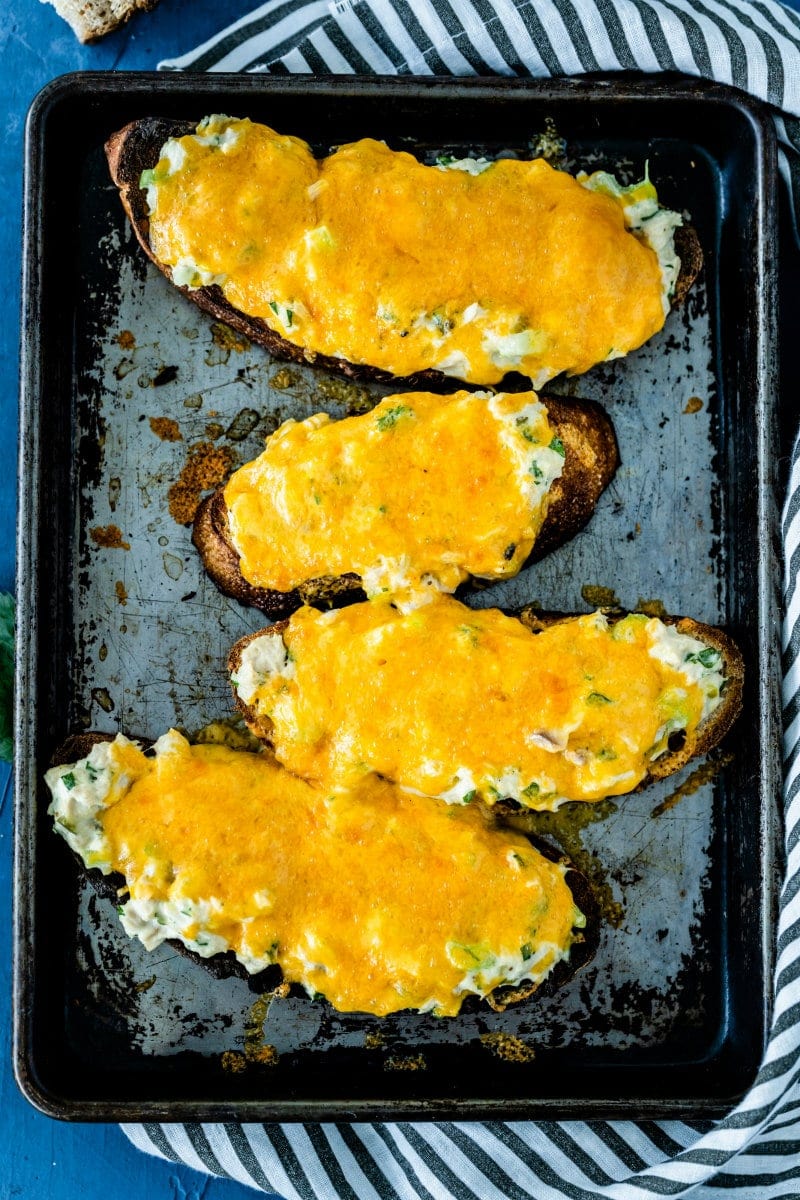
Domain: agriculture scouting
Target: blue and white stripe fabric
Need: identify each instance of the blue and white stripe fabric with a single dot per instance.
(754, 1153)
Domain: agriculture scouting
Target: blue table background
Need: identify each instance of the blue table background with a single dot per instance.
(42, 1158)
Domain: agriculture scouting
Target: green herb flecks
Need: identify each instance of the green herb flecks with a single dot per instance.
(598, 698)
(558, 446)
(68, 780)
(389, 419)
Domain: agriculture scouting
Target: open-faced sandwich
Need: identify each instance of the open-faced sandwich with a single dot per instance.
(375, 898)
(380, 266)
(419, 495)
(463, 704)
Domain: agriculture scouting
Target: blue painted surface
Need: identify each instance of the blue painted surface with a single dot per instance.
(43, 1158)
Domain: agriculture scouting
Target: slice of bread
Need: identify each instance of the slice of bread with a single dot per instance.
(137, 147)
(93, 19)
(112, 887)
(681, 747)
(591, 458)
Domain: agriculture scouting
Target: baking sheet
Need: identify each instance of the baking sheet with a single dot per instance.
(150, 380)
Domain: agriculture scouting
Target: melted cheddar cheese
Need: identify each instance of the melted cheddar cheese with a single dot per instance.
(370, 256)
(459, 703)
(377, 899)
(420, 493)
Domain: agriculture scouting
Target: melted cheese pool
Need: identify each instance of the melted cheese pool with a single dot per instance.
(418, 494)
(370, 256)
(458, 703)
(376, 899)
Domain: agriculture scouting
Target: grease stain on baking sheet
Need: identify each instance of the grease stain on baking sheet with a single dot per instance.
(508, 1047)
(283, 379)
(565, 827)
(224, 341)
(651, 608)
(599, 596)
(173, 566)
(101, 697)
(166, 428)
(243, 424)
(407, 1062)
(355, 399)
(702, 775)
(109, 537)
(164, 376)
(206, 467)
(121, 592)
(114, 492)
(126, 339)
(124, 367)
(693, 404)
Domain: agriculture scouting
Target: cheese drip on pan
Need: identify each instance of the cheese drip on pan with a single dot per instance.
(370, 256)
(414, 497)
(377, 899)
(458, 703)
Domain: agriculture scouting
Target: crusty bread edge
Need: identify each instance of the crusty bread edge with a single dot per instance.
(592, 457)
(136, 147)
(113, 887)
(705, 738)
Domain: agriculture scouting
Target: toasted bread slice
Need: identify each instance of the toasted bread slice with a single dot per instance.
(591, 458)
(93, 19)
(681, 747)
(583, 937)
(137, 147)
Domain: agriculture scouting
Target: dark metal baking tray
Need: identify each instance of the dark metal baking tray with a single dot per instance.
(672, 1014)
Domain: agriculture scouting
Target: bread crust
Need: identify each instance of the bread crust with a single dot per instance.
(137, 147)
(591, 459)
(706, 737)
(93, 19)
(113, 888)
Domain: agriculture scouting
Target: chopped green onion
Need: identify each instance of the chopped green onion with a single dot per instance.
(68, 780)
(598, 698)
(558, 446)
(708, 658)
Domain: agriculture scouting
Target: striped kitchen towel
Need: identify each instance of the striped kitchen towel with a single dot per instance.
(754, 1153)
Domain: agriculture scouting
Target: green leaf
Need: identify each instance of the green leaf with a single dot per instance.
(68, 781)
(6, 674)
(558, 446)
